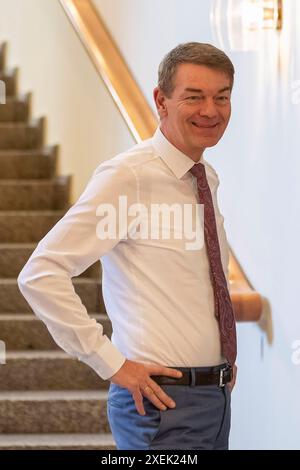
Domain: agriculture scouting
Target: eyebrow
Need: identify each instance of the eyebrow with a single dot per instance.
(198, 90)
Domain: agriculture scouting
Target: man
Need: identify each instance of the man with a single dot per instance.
(173, 348)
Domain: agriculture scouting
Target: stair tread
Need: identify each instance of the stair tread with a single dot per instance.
(18, 245)
(67, 395)
(47, 150)
(32, 317)
(55, 354)
(56, 439)
(12, 124)
(30, 181)
(76, 280)
(32, 212)
(20, 97)
(39, 354)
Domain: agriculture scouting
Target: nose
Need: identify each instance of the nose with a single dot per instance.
(208, 108)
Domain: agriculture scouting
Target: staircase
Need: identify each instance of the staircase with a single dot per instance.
(48, 400)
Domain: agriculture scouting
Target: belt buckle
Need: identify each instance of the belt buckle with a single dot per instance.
(221, 377)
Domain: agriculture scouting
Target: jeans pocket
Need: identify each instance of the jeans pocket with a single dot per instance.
(157, 417)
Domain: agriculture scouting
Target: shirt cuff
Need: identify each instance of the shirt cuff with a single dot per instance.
(107, 361)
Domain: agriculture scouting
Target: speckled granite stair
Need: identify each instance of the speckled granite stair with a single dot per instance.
(27, 226)
(57, 442)
(31, 164)
(88, 289)
(21, 135)
(13, 256)
(47, 370)
(53, 412)
(37, 194)
(48, 399)
(16, 109)
(25, 332)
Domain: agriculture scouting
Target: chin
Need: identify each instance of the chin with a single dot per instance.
(212, 143)
(208, 143)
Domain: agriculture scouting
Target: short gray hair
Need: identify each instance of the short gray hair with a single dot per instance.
(192, 53)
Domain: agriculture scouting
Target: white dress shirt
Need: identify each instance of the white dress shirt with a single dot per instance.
(158, 295)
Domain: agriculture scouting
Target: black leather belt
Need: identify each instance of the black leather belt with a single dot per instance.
(218, 375)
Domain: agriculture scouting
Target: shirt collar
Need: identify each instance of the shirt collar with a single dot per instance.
(176, 160)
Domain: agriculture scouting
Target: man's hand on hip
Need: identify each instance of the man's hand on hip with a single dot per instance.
(136, 377)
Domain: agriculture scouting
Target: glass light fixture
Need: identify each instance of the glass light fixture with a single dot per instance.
(262, 14)
(240, 24)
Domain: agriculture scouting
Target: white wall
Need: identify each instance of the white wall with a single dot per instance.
(145, 30)
(81, 116)
(259, 166)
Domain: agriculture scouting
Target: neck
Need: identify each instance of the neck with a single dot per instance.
(193, 155)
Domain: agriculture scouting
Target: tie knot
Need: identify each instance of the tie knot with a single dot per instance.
(198, 170)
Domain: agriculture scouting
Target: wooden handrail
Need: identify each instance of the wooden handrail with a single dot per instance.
(142, 122)
(111, 67)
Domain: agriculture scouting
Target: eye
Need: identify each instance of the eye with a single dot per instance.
(223, 99)
(193, 98)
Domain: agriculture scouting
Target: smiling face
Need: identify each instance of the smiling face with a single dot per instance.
(196, 114)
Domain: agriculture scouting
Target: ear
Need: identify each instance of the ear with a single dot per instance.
(160, 101)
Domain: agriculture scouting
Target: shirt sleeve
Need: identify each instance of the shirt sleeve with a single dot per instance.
(68, 249)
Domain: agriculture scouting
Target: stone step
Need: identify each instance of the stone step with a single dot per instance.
(31, 164)
(25, 332)
(13, 257)
(16, 109)
(36, 194)
(28, 164)
(53, 412)
(10, 77)
(3, 50)
(20, 135)
(26, 226)
(47, 370)
(57, 442)
(12, 301)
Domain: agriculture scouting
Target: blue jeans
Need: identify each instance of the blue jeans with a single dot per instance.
(201, 419)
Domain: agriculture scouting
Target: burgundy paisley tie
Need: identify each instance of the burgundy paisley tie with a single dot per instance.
(223, 306)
